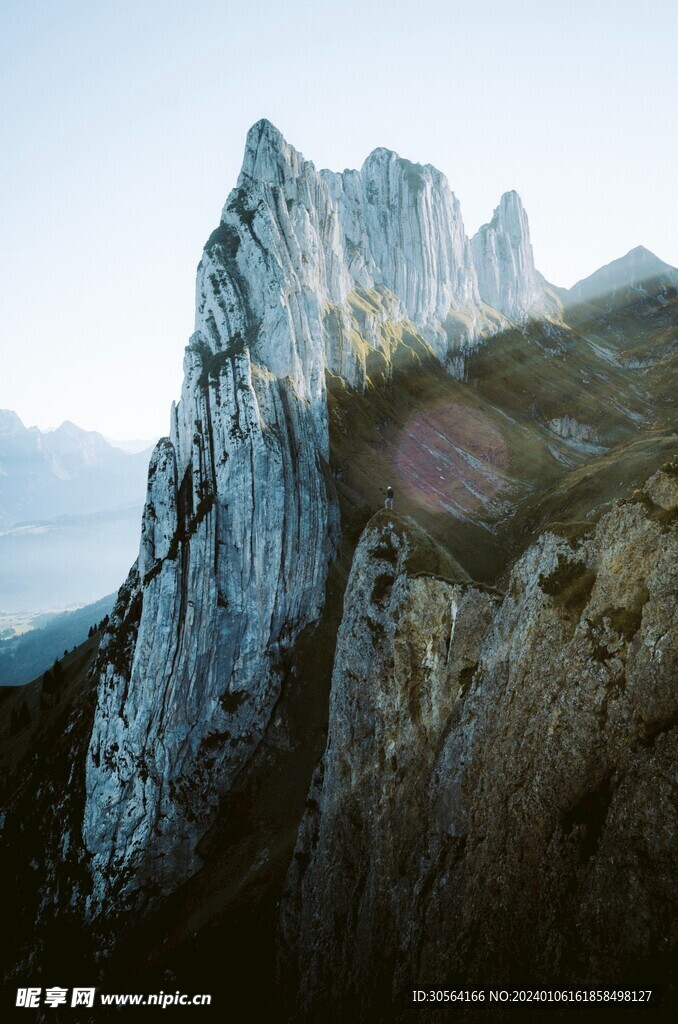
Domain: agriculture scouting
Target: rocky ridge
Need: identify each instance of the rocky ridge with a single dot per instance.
(497, 798)
(308, 272)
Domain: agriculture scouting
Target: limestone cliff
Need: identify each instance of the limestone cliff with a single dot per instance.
(504, 262)
(497, 800)
(307, 272)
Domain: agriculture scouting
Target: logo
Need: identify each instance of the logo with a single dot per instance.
(29, 998)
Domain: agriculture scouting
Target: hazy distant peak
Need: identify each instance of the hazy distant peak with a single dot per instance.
(639, 259)
(10, 422)
(639, 270)
(70, 429)
(641, 252)
(134, 445)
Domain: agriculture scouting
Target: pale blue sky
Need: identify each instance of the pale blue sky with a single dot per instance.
(122, 127)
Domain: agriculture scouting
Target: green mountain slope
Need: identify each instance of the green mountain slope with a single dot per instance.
(24, 657)
(552, 422)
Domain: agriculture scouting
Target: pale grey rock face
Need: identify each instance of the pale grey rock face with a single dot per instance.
(420, 251)
(237, 532)
(496, 799)
(306, 272)
(504, 262)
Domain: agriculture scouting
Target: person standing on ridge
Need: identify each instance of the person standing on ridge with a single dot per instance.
(389, 498)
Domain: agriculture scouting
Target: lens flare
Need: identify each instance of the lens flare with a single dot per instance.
(452, 459)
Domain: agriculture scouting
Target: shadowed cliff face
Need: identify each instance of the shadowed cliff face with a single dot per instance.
(497, 796)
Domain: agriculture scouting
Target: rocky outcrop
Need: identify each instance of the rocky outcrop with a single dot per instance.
(237, 532)
(497, 798)
(569, 429)
(504, 262)
(236, 537)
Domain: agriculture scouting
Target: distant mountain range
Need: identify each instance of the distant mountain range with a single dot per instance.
(67, 471)
(70, 507)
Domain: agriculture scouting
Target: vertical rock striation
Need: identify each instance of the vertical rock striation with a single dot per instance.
(504, 263)
(308, 271)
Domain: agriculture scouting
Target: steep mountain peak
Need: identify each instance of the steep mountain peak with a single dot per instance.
(394, 224)
(509, 200)
(386, 162)
(502, 252)
(511, 214)
(268, 156)
(10, 423)
(381, 154)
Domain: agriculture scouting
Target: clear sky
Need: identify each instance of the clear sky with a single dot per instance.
(122, 125)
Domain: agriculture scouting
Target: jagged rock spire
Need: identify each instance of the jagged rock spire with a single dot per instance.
(504, 263)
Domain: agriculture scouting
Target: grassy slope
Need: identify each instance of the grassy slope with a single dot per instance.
(645, 333)
(521, 475)
(43, 721)
(22, 658)
(588, 369)
(409, 432)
